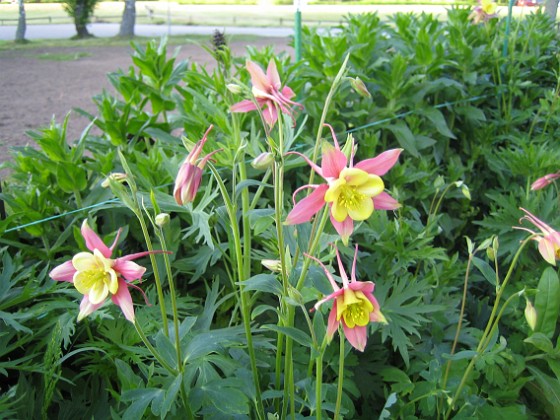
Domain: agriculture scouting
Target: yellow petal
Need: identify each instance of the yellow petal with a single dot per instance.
(340, 307)
(354, 176)
(84, 261)
(339, 211)
(362, 210)
(334, 190)
(98, 292)
(372, 187)
(113, 282)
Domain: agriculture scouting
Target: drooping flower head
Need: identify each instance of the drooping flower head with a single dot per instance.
(190, 173)
(351, 191)
(485, 11)
(269, 94)
(548, 238)
(96, 275)
(353, 305)
(545, 181)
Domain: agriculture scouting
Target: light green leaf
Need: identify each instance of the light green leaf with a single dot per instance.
(540, 341)
(547, 302)
(263, 283)
(297, 335)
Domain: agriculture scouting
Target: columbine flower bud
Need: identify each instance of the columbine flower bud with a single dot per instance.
(273, 265)
(544, 181)
(234, 88)
(116, 177)
(531, 315)
(162, 219)
(360, 87)
(263, 161)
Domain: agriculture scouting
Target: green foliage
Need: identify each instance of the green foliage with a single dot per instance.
(476, 127)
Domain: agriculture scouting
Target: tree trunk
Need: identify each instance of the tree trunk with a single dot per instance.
(551, 7)
(80, 19)
(128, 19)
(21, 26)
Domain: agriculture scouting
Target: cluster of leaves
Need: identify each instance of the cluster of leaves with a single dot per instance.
(465, 113)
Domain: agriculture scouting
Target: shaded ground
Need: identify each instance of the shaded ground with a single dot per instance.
(33, 89)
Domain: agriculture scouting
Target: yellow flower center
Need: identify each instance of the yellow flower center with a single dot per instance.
(94, 276)
(354, 307)
(489, 7)
(351, 194)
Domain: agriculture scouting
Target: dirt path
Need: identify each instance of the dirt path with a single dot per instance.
(34, 90)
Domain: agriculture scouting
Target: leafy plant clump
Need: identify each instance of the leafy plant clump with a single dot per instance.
(368, 232)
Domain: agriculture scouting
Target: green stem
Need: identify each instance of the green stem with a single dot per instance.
(336, 82)
(484, 342)
(157, 277)
(340, 379)
(245, 310)
(460, 322)
(318, 384)
(173, 296)
(502, 288)
(490, 326)
(152, 350)
(278, 367)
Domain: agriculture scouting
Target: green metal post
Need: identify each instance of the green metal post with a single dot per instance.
(297, 34)
(508, 27)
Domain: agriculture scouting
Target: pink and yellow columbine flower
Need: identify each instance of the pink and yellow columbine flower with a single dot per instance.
(354, 305)
(548, 238)
(96, 275)
(544, 181)
(352, 192)
(190, 173)
(268, 93)
(485, 11)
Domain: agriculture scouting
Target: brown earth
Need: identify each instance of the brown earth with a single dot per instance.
(33, 90)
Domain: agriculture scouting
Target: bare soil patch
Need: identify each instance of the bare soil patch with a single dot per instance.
(35, 90)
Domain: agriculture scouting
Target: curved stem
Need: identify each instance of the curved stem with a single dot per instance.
(460, 322)
(502, 288)
(152, 350)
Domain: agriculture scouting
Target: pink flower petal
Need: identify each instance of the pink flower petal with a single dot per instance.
(379, 165)
(315, 167)
(332, 325)
(547, 250)
(93, 241)
(270, 114)
(333, 161)
(363, 286)
(344, 228)
(272, 74)
(289, 94)
(258, 78)
(327, 273)
(63, 272)
(333, 295)
(128, 269)
(306, 208)
(356, 336)
(124, 300)
(86, 307)
(243, 106)
(384, 201)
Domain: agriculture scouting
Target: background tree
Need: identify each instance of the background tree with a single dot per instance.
(21, 26)
(128, 19)
(81, 11)
(551, 7)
